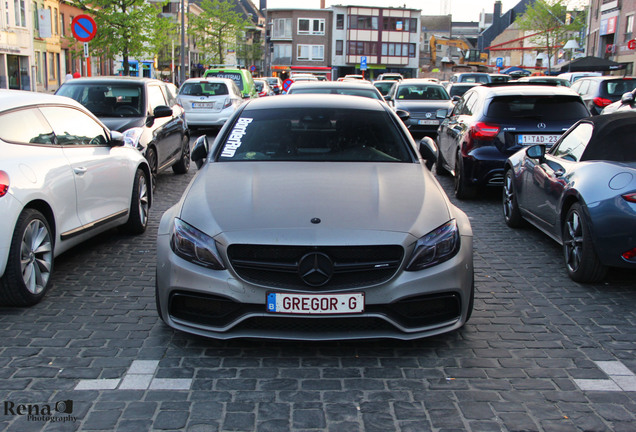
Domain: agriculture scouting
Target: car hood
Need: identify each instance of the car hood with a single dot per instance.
(423, 105)
(283, 197)
(122, 124)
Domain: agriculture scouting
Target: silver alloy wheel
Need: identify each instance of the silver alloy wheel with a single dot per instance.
(143, 200)
(36, 256)
(573, 241)
(508, 197)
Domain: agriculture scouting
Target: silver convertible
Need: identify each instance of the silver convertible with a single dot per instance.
(314, 217)
(582, 193)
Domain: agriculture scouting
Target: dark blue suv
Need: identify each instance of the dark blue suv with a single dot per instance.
(492, 121)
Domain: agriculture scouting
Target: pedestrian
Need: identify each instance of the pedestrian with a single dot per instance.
(77, 75)
(69, 76)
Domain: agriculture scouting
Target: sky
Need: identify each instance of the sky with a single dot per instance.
(462, 10)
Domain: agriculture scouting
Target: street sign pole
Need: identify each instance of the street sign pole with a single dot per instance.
(84, 29)
(88, 59)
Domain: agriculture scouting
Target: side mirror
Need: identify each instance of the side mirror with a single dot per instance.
(456, 99)
(536, 152)
(162, 111)
(429, 151)
(441, 113)
(627, 98)
(200, 151)
(116, 139)
(403, 114)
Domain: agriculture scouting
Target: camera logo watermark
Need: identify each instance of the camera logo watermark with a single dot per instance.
(59, 412)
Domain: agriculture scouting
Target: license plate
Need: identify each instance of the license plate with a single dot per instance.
(202, 104)
(428, 122)
(315, 304)
(537, 139)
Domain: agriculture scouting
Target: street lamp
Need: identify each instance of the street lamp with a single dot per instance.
(571, 45)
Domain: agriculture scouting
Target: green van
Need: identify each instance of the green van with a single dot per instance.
(242, 78)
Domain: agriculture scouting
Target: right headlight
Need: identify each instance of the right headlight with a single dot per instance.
(195, 246)
(434, 248)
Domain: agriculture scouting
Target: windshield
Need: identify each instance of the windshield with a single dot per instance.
(422, 92)
(616, 88)
(538, 107)
(315, 134)
(107, 100)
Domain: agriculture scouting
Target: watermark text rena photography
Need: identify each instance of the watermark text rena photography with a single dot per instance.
(59, 412)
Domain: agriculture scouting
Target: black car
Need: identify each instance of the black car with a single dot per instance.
(598, 92)
(145, 110)
(492, 121)
(458, 89)
(426, 102)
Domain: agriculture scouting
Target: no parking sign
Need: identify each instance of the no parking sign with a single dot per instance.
(84, 28)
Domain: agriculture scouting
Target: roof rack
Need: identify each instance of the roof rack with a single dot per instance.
(234, 66)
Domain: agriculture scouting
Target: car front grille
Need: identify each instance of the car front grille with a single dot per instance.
(315, 268)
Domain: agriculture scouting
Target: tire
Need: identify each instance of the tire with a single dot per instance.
(183, 165)
(471, 301)
(462, 189)
(581, 261)
(30, 262)
(139, 205)
(439, 166)
(511, 212)
(151, 157)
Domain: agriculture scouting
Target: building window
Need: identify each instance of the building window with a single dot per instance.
(282, 28)
(629, 28)
(36, 21)
(57, 22)
(310, 52)
(339, 47)
(51, 66)
(363, 22)
(362, 48)
(400, 24)
(62, 25)
(282, 54)
(20, 13)
(307, 26)
(7, 15)
(340, 22)
(398, 50)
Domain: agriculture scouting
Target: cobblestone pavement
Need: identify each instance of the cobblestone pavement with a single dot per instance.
(541, 353)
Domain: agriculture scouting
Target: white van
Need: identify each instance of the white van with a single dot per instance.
(573, 76)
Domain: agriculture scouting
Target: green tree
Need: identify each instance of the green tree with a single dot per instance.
(553, 24)
(129, 28)
(218, 28)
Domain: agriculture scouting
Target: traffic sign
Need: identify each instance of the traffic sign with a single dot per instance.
(287, 84)
(84, 28)
(252, 68)
(500, 61)
(363, 63)
(631, 44)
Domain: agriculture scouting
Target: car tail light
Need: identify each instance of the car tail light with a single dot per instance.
(228, 103)
(630, 255)
(262, 94)
(631, 197)
(480, 131)
(601, 102)
(4, 183)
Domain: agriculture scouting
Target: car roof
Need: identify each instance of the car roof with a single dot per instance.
(208, 79)
(316, 101)
(607, 78)
(332, 84)
(512, 89)
(19, 98)
(418, 81)
(112, 79)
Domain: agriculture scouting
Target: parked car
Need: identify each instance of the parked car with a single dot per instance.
(241, 77)
(493, 121)
(331, 227)
(625, 104)
(499, 78)
(144, 110)
(354, 77)
(599, 92)
(263, 88)
(208, 102)
(304, 77)
(64, 178)
(351, 88)
(391, 76)
(471, 77)
(275, 83)
(548, 80)
(385, 87)
(581, 193)
(458, 89)
(574, 76)
(426, 102)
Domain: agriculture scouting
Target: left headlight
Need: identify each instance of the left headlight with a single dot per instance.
(195, 246)
(132, 137)
(434, 248)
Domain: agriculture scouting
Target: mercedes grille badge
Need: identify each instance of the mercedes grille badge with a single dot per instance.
(315, 269)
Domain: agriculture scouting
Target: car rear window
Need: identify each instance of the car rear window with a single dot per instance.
(118, 99)
(315, 134)
(234, 76)
(552, 107)
(422, 92)
(617, 88)
(203, 89)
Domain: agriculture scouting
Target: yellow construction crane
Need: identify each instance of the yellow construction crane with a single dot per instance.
(471, 59)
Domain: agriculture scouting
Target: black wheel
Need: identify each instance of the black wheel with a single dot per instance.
(462, 189)
(511, 212)
(139, 205)
(471, 301)
(151, 157)
(30, 261)
(581, 261)
(439, 166)
(183, 164)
